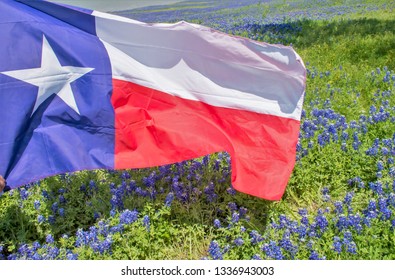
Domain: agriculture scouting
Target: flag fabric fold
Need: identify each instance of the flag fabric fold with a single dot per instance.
(83, 89)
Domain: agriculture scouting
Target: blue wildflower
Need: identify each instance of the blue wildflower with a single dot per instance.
(231, 191)
(315, 256)
(146, 222)
(113, 212)
(214, 251)
(232, 206)
(235, 217)
(37, 204)
(272, 250)
(71, 256)
(217, 223)
(242, 211)
(24, 193)
(337, 245)
(54, 207)
(117, 228)
(128, 217)
(338, 207)
(239, 241)
(49, 239)
(169, 199)
(342, 222)
(255, 237)
(348, 198)
(40, 219)
(321, 220)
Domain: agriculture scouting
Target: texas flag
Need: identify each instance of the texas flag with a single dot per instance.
(81, 89)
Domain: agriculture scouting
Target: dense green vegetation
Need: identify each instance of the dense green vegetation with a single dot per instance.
(340, 200)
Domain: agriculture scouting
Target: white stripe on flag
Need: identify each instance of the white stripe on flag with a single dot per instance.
(197, 63)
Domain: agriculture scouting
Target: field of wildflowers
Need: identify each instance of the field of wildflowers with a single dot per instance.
(340, 201)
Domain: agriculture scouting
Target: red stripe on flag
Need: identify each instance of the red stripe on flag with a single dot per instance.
(154, 128)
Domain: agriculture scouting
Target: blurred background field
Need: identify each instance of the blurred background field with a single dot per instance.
(340, 200)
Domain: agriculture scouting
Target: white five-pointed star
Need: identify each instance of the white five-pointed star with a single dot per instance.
(51, 78)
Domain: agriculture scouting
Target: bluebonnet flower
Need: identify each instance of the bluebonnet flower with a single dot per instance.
(62, 200)
(235, 217)
(355, 222)
(96, 215)
(37, 204)
(272, 250)
(52, 253)
(243, 212)
(302, 231)
(49, 239)
(304, 220)
(232, 206)
(61, 212)
(36, 245)
(12, 257)
(24, 249)
(103, 246)
(315, 256)
(169, 199)
(209, 191)
(256, 257)
(150, 180)
(103, 228)
(391, 199)
(226, 249)
(215, 251)
(380, 166)
(349, 244)
(325, 194)
(321, 220)
(217, 223)
(231, 191)
(302, 212)
(146, 222)
(351, 247)
(51, 219)
(128, 217)
(117, 228)
(40, 219)
(283, 221)
(255, 237)
(287, 244)
(54, 207)
(342, 222)
(71, 256)
(348, 198)
(344, 136)
(112, 212)
(338, 207)
(116, 202)
(337, 245)
(239, 241)
(125, 175)
(24, 193)
(377, 187)
(385, 211)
